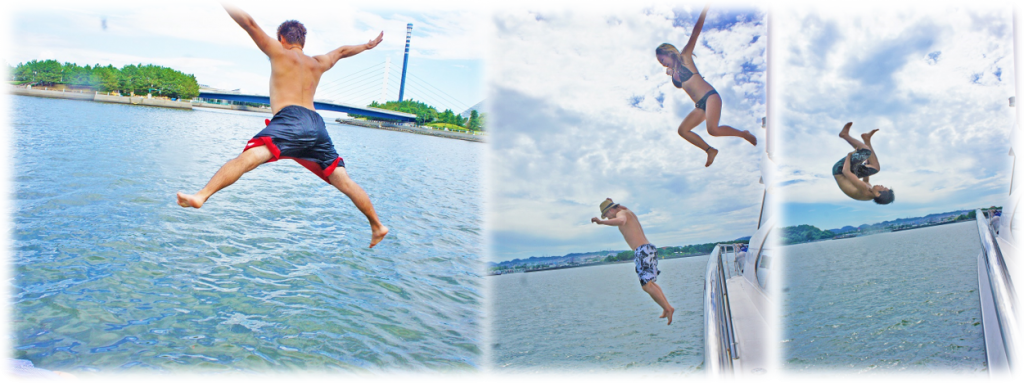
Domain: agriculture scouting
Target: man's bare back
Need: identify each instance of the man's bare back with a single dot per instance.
(294, 76)
(631, 229)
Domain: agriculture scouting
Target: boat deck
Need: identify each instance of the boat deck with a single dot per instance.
(754, 324)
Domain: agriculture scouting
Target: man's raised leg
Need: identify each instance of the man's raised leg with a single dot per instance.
(227, 175)
(873, 160)
(659, 297)
(845, 134)
(339, 178)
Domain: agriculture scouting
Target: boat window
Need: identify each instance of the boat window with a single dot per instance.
(1018, 221)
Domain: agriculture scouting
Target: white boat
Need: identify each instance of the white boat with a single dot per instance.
(739, 313)
(1000, 236)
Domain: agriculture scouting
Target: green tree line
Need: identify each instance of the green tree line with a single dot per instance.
(138, 79)
(426, 114)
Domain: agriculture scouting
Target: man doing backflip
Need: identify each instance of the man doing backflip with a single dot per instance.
(296, 131)
(645, 255)
(851, 173)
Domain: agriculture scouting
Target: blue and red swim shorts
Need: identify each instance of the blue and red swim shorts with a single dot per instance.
(299, 134)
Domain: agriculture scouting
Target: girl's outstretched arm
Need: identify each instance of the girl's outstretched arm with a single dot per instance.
(688, 49)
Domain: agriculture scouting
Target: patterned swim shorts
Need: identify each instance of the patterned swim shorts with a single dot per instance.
(646, 259)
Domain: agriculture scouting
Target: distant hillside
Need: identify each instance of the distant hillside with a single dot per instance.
(703, 248)
(807, 233)
(803, 233)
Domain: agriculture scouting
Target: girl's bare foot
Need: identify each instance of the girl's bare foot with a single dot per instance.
(378, 235)
(712, 152)
(750, 137)
(186, 200)
(668, 314)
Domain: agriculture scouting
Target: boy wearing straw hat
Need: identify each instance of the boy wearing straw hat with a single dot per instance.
(645, 255)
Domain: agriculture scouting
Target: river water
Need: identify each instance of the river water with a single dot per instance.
(903, 301)
(272, 274)
(597, 319)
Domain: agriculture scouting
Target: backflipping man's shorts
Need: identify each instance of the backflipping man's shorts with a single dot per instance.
(646, 259)
(857, 164)
(300, 134)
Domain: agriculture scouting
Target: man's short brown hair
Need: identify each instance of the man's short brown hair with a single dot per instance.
(293, 32)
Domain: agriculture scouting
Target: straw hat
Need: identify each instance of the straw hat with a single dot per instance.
(607, 205)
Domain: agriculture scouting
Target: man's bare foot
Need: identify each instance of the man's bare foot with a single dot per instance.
(846, 130)
(712, 152)
(866, 137)
(668, 313)
(186, 200)
(750, 137)
(378, 235)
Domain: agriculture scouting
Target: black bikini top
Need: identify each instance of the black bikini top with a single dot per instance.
(683, 73)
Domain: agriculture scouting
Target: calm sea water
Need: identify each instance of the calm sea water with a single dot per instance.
(897, 301)
(598, 319)
(273, 273)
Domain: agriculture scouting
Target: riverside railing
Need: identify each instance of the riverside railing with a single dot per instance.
(996, 287)
(719, 338)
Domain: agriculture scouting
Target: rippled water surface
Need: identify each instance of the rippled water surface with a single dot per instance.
(597, 318)
(896, 301)
(273, 273)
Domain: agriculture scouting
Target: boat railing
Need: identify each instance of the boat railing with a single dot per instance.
(719, 338)
(1001, 355)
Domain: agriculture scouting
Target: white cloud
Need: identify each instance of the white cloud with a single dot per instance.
(934, 80)
(566, 135)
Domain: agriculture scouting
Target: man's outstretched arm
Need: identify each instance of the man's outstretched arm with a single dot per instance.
(330, 58)
(617, 221)
(263, 41)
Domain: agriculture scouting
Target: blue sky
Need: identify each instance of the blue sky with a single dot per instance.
(583, 111)
(935, 81)
(199, 37)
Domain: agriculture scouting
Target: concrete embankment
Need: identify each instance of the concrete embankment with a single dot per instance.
(95, 96)
(414, 129)
(200, 104)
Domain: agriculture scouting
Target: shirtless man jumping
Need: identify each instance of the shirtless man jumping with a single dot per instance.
(296, 131)
(852, 172)
(645, 255)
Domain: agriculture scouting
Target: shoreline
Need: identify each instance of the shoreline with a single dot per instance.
(192, 105)
(491, 274)
(99, 97)
(414, 130)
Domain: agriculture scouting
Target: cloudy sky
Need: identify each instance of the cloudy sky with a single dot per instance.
(445, 66)
(583, 111)
(934, 80)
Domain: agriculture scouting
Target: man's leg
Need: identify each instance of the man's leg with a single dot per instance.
(659, 297)
(227, 175)
(845, 134)
(339, 178)
(873, 160)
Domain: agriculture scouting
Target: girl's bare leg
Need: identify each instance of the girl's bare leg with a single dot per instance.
(714, 113)
(686, 131)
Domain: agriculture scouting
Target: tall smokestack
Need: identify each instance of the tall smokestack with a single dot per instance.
(405, 62)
